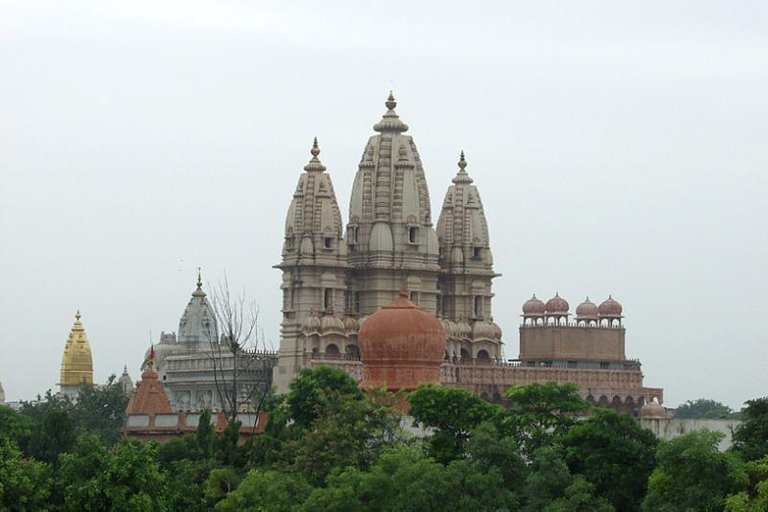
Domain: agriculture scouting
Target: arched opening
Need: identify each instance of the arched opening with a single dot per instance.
(352, 351)
(483, 356)
(332, 350)
(603, 401)
(464, 356)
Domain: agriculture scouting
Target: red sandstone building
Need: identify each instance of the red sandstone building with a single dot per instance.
(149, 415)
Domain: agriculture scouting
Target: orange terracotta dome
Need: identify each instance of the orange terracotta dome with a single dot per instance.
(401, 346)
(149, 397)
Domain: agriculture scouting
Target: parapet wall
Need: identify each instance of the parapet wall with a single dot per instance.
(162, 427)
(618, 388)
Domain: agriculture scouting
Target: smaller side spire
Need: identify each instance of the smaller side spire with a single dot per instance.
(314, 164)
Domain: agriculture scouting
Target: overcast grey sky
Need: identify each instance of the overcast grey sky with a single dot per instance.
(619, 147)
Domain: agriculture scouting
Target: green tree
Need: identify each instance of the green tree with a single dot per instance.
(308, 395)
(615, 454)
(691, 474)
(453, 413)
(703, 408)
(750, 439)
(403, 479)
(538, 413)
(54, 430)
(188, 466)
(127, 478)
(756, 497)
(473, 487)
(350, 433)
(548, 478)
(15, 427)
(25, 484)
(578, 497)
(266, 491)
(490, 450)
(220, 482)
(205, 435)
(100, 410)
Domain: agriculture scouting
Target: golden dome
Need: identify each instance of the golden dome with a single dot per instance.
(76, 364)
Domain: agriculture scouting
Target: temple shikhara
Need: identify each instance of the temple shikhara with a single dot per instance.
(76, 362)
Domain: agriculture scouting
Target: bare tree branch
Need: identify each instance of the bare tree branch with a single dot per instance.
(241, 342)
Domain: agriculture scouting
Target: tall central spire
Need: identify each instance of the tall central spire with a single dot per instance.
(390, 228)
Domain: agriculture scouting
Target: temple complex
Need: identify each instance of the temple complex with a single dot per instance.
(335, 280)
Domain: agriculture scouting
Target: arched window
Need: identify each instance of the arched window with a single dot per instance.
(332, 350)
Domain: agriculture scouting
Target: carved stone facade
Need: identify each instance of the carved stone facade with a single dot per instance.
(331, 282)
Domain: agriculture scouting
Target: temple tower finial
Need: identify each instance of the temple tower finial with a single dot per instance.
(391, 103)
(314, 164)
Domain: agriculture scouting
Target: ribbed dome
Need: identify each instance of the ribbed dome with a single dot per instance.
(483, 330)
(401, 346)
(557, 305)
(587, 310)
(534, 307)
(463, 330)
(496, 331)
(312, 324)
(76, 364)
(610, 308)
(351, 325)
(332, 324)
(451, 328)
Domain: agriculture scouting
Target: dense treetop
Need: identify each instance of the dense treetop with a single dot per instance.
(328, 446)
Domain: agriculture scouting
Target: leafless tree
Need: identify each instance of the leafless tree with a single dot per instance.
(239, 353)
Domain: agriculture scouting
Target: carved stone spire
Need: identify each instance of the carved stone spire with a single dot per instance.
(467, 266)
(390, 219)
(313, 223)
